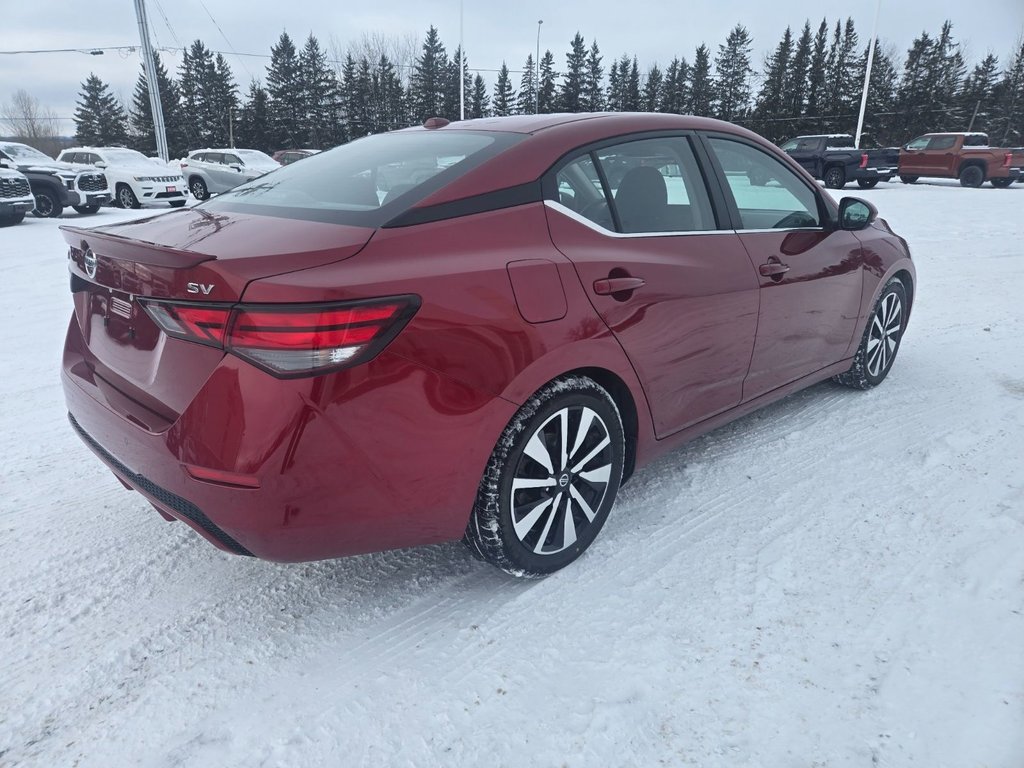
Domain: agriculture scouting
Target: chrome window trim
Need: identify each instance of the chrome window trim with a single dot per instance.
(564, 210)
(569, 212)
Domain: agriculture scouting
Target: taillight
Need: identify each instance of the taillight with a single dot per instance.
(864, 160)
(1008, 160)
(290, 340)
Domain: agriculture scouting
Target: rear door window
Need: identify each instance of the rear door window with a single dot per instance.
(942, 142)
(767, 193)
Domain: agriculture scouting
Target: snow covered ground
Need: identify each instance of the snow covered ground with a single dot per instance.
(837, 580)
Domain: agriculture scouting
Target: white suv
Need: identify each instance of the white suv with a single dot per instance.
(212, 171)
(134, 178)
(15, 197)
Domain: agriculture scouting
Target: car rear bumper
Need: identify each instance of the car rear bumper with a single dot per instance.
(385, 455)
(868, 174)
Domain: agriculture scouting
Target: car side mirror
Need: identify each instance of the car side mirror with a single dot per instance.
(856, 214)
(5, 163)
(100, 164)
(236, 166)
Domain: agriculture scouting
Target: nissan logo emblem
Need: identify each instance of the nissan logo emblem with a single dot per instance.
(89, 262)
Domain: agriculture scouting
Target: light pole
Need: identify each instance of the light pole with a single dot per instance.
(151, 80)
(462, 69)
(536, 82)
(867, 77)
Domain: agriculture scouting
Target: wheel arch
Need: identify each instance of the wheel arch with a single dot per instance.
(624, 401)
(976, 162)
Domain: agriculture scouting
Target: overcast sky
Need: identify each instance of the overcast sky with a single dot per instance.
(654, 30)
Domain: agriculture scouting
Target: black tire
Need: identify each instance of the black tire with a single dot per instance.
(86, 209)
(198, 188)
(47, 205)
(909, 179)
(972, 176)
(835, 177)
(14, 218)
(126, 197)
(881, 340)
(1001, 183)
(177, 203)
(532, 538)
(867, 183)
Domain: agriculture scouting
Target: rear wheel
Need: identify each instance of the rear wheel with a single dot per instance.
(86, 209)
(835, 177)
(551, 480)
(867, 183)
(881, 340)
(126, 197)
(909, 179)
(198, 188)
(47, 205)
(972, 176)
(1001, 183)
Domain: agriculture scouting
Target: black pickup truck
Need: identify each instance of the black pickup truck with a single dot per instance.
(56, 184)
(834, 159)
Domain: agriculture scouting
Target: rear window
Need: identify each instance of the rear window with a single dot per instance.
(366, 182)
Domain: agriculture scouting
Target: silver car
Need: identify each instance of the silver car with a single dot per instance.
(212, 171)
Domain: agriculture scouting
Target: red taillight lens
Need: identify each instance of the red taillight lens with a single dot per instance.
(1008, 160)
(291, 340)
(192, 322)
(864, 160)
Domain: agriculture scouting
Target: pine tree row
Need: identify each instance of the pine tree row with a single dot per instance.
(810, 82)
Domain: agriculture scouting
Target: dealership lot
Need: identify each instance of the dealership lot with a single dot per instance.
(830, 581)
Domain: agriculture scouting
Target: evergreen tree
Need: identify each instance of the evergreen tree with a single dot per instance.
(253, 126)
(593, 92)
(284, 89)
(546, 89)
(504, 97)
(794, 92)
(732, 71)
(631, 87)
(570, 96)
(526, 99)
(840, 87)
(702, 86)
(99, 118)
(878, 112)
(816, 95)
(450, 105)
(615, 96)
(479, 104)
(388, 97)
(978, 94)
(221, 96)
(429, 78)
(654, 87)
(1008, 128)
(318, 97)
(676, 93)
(929, 90)
(143, 136)
(771, 100)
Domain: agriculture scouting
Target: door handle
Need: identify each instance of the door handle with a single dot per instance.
(773, 269)
(610, 285)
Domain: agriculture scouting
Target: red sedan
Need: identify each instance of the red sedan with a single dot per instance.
(475, 330)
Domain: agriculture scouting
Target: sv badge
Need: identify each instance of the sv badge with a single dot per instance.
(203, 288)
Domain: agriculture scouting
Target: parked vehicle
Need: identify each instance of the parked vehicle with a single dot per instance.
(964, 156)
(56, 184)
(212, 171)
(15, 197)
(289, 156)
(467, 330)
(834, 159)
(135, 178)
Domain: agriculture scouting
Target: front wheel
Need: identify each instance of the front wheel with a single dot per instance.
(47, 205)
(551, 480)
(867, 183)
(86, 209)
(835, 177)
(126, 197)
(881, 340)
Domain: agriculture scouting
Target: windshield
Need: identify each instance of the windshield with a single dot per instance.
(125, 156)
(254, 157)
(366, 182)
(24, 152)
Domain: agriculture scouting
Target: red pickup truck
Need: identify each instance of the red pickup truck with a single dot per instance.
(964, 156)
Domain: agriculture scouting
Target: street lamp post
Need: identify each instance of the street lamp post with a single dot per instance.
(867, 76)
(536, 82)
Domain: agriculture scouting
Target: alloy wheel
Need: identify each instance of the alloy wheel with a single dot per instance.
(561, 480)
(884, 336)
